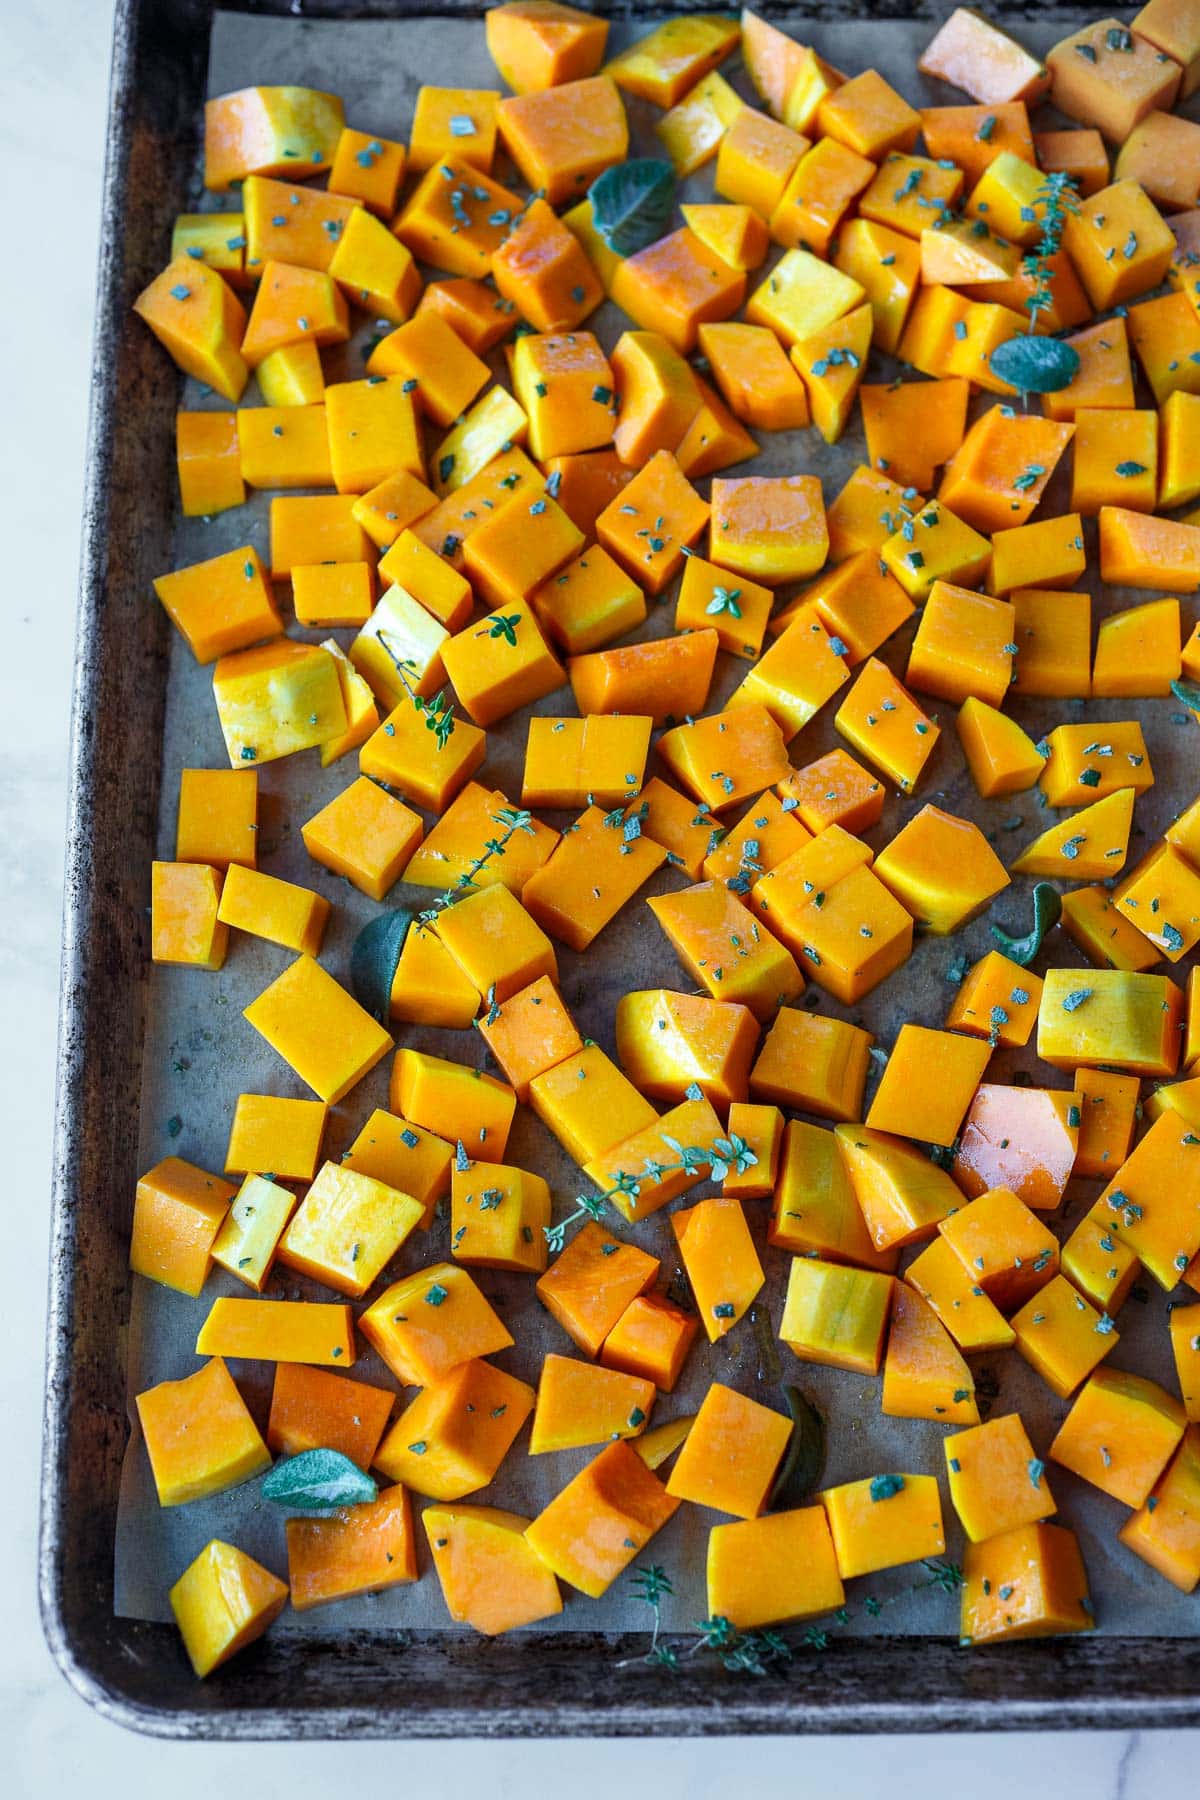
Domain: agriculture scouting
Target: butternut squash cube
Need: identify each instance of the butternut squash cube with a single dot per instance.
(430, 1322)
(279, 911)
(318, 1028)
(1028, 1582)
(928, 1084)
(656, 517)
(595, 1526)
(314, 528)
(802, 296)
(199, 1436)
(971, 53)
(429, 987)
(1002, 758)
(924, 1377)
(222, 604)
(744, 741)
(561, 138)
(901, 1193)
(454, 121)
(287, 223)
(836, 1315)
(1164, 1532)
(1120, 1434)
(312, 1409)
(815, 1211)
(582, 1403)
(537, 44)
(909, 191)
(454, 1101)
(565, 384)
(1120, 218)
(1106, 76)
(402, 753)
(812, 1064)
(882, 721)
(996, 1481)
(755, 160)
(670, 1042)
(997, 999)
(178, 1212)
(456, 218)
(491, 1577)
(651, 1339)
(591, 1282)
(269, 131)
(942, 869)
(359, 1550)
(249, 1236)
(1062, 1337)
(457, 840)
(971, 1319)
(588, 1104)
(276, 1136)
(223, 1601)
(1003, 1246)
(208, 463)
(277, 699)
(600, 758)
(347, 1227)
(1163, 901)
(452, 1438)
(702, 922)
(200, 322)
(731, 1454)
(544, 270)
(1110, 1019)
(405, 1156)
(499, 1216)
(883, 1522)
(185, 915)
(834, 790)
(721, 1262)
(504, 662)
(369, 169)
(365, 835)
(773, 1570)
(962, 646)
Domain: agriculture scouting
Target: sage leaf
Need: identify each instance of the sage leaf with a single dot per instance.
(1047, 911)
(804, 1459)
(1035, 365)
(632, 203)
(1188, 692)
(316, 1480)
(374, 960)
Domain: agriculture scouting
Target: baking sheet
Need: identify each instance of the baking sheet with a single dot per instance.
(200, 1053)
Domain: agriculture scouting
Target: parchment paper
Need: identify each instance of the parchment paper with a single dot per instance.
(200, 1053)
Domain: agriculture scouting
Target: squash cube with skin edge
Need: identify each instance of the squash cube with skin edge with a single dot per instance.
(454, 122)
(591, 1282)
(744, 740)
(835, 1315)
(446, 222)
(491, 1577)
(282, 1137)
(347, 1227)
(1029, 1582)
(722, 1265)
(313, 1409)
(963, 646)
(971, 1319)
(249, 1236)
(670, 1042)
(796, 677)
(318, 1028)
(676, 285)
(222, 1602)
(648, 526)
(1165, 1531)
(997, 999)
(530, 1033)
(1062, 1337)
(731, 1455)
(405, 1156)
(1002, 758)
(269, 131)
(544, 270)
(590, 602)
(429, 987)
(277, 699)
(1108, 1018)
(200, 322)
(1003, 1246)
(565, 384)
(221, 605)
(902, 1194)
(430, 1322)
(589, 1105)
(453, 1436)
(834, 790)
(515, 551)
(880, 719)
(1120, 1434)
(504, 662)
(365, 835)
(499, 1216)
(595, 1526)
(454, 1101)
(942, 869)
(812, 1064)
(207, 461)
(282, 912)
(927, 1084)
(185, 921)
(562, 138)
(369, 169)
(359, 1550)
(582, 1403)
(178, 1212)
(815, 1212)
(662, 679)
(426, 351)
(883, 1522)
(924, 1376)
(642, 1173)
(428, 771)
(199, 1436)
(996, 1481)
(651, 1339)
(773, 1570)
(702, 922)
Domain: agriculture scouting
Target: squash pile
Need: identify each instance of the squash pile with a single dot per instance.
(486, 541)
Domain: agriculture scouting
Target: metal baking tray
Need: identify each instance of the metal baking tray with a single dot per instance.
(374, 1683)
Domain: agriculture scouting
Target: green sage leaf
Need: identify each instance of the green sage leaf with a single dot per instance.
(804, 1459)
(632, 203)
(1035, 365)
(317, 1480)
(1188, 692)
(375, 958)
(1047, 911)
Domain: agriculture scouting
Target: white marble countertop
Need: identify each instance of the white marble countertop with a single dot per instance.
(53, 82)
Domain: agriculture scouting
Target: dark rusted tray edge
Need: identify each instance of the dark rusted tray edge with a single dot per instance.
(381, 1686)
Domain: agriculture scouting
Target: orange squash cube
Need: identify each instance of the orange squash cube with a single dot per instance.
(815, 1212)
(651, 1339)
(185, 922)
(773, 1570)
(562, 138)
(812, 1064)
(223, 1601)
(592, 1530)
(582, 1403)
(589, 1285)
(452, 1438)
(359, 1550)
(996, 1481)
(313, 1409)
(1120, 1434)
(491, 1578)
(1028, 1582)
(924, 1376)
(199, 1435)
(676, 285)
(178, 1211)
(928, 1084)
(731, 1454)
(1164, 1531)
(883, 1522)
(836, 1315)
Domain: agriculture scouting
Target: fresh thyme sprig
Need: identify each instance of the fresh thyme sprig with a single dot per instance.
(721, 1156)
(438, 712)
(513, 819)
(759, 1652)
(1056, 200)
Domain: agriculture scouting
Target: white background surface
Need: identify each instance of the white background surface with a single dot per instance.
(53, 87)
